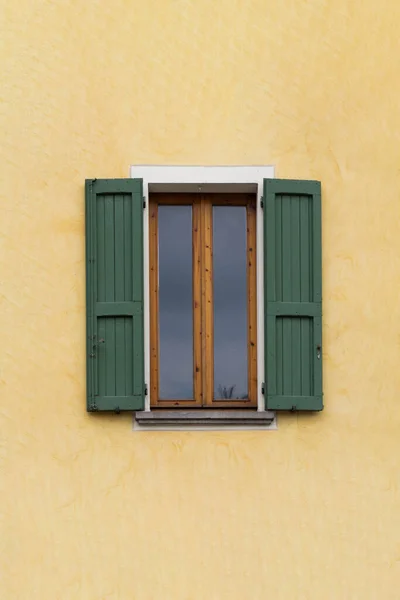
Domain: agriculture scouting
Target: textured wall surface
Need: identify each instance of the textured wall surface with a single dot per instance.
(93, 511)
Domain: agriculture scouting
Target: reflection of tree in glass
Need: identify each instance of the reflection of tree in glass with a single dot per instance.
(226, 392)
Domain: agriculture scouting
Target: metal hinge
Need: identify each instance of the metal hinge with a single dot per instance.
(263, 389)
(144, 202)
(262, 202)
(145, 389)
(93, 405)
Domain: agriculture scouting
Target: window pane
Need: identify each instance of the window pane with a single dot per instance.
(230, 302)
(175, 302)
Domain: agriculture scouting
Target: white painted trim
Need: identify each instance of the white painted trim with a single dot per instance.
(206, 179)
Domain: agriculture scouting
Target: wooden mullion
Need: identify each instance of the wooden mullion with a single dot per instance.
(154, 328)
(202, 301)
(207, 303)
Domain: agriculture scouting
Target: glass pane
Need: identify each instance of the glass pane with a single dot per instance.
(175, 302)
(230, 302)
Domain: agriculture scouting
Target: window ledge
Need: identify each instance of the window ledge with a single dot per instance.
(204, 419)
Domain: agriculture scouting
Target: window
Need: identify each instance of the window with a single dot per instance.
(203, 319)
(197, 325)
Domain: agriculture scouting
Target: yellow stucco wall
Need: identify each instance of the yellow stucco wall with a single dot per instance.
(93, 511)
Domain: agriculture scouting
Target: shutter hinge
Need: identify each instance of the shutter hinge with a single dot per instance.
(263, 389)
(145, 389)
(93, 406)
(262, 202)
(96, 344)
(144, 202)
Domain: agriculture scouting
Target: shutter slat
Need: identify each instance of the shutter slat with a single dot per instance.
(114, 253)
(293, 295)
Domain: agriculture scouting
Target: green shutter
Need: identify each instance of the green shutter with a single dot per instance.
(293, 295)
(114, 282)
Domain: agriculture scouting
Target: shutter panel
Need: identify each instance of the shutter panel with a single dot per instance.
(293, 294)
(114, 282)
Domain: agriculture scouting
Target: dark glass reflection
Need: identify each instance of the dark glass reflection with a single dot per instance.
(175, 302)
(230, 302)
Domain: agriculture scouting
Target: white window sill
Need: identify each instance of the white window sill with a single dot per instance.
(203, 419)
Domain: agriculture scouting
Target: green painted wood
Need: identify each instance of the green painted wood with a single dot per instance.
(138, 357)
(137, 296)
(119, 266)
(278, 352)
(120, 379)
(317, 248)
(109, 240)
(305, 291)
(278, 253)
(104, 309)
(293, 187)
(110, 358)
(90, 320)
(286, 241)
(119, 403)
(307, 367)
(303, 309)
(296, 353)
(317, 355)
(296, 403)
(295, 244)
(101, 357)
(128, 293)
(272, 368)
(293, 294)
(129, 356)
(114, 283)
(270, 233)
(100, 266)
(128, 286)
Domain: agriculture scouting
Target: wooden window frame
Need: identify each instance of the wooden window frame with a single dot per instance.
(203, 342)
